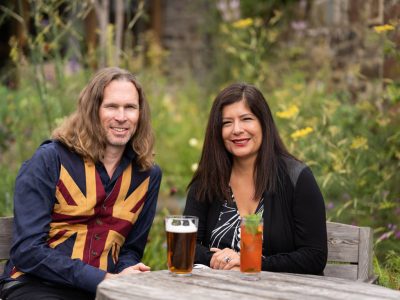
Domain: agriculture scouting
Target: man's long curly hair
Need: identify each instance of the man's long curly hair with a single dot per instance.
(82, 131)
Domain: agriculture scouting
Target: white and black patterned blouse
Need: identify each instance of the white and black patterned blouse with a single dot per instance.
(226, 233)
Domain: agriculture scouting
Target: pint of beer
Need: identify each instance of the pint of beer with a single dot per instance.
(181, 243)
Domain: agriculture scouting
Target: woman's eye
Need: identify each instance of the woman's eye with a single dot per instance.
(225, 123)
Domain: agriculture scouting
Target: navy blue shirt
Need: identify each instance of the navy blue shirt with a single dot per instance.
(72, 223)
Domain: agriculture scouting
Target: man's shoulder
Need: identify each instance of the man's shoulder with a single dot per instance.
(46, 148)
(154, 172)
(51, 147)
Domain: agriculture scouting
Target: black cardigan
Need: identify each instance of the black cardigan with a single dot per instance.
(294, 238)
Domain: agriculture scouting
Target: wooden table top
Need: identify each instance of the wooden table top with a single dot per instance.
(216, 284)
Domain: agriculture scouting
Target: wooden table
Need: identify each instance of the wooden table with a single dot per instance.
(215, 284)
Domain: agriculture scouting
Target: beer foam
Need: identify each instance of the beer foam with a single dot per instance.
(190, 227)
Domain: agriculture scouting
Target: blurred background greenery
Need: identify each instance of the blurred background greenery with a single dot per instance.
(329, 72)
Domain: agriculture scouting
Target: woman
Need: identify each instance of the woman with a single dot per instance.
(246, 169)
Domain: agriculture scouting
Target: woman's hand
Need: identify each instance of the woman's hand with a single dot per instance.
(225, 259)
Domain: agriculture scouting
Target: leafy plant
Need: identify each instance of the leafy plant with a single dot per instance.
(252, 223)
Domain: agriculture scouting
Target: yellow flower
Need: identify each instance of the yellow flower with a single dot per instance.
(291, 112)
(359, 143)
(383, 28)
(301, 133)
(243, 23)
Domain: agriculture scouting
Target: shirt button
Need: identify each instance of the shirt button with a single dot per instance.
(103, 206)
(96, 237)
(94, 253)
(99, 222)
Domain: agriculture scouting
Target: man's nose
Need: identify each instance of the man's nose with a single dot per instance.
(120, 114)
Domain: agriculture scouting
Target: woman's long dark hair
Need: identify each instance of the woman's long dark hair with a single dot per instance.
(213, 173)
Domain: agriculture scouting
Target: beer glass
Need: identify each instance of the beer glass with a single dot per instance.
(251, 235)
(181, 243)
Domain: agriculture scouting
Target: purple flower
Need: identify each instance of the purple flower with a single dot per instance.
(330, 206)
(298, 25)
(44, 22)
(397, 235)
(74, 65)
(397, 212)
(384, 236)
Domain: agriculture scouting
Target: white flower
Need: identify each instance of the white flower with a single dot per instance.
(194, 167)
(193, 142)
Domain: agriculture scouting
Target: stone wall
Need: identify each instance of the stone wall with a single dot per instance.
(184, 26)
(339, 32)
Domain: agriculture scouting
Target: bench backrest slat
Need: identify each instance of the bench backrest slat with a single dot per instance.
(6, 224)
(349, 252)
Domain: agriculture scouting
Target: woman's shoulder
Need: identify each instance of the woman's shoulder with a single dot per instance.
(294, 168)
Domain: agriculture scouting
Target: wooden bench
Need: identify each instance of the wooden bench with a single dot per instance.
(6, 224)
(349, 250)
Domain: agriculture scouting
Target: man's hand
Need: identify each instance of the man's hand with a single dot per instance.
(138, 268)
(225, 259)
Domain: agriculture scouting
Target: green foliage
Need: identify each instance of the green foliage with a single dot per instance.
(252, 223)
(155, 254)
(263, 8)
(246, 48)
(179, 118)
(388, 272)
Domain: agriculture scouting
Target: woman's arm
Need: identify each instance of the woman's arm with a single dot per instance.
(309, 230)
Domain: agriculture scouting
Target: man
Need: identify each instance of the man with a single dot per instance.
(84, 203)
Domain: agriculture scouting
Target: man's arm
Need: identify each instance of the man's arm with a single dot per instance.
(132, 251)
(34, 199)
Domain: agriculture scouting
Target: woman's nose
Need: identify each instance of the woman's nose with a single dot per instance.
(237, 128)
